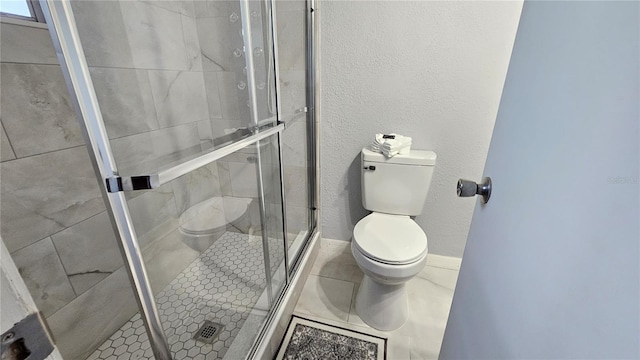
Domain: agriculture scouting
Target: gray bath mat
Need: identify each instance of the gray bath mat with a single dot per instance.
(310, 340)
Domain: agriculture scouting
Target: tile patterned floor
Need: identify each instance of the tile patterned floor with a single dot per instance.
(329, 296)
(222, 286)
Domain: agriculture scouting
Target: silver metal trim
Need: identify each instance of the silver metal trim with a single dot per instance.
(167, 175)
(154, 181)
(36, 11)
(284, 214)
(312, 139)
(245, 15)
(265, 228)
(64, 34)
(276, 72)
(274, 49)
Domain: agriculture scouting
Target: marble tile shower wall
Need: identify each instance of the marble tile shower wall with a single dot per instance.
(52, 215)
(159, 93)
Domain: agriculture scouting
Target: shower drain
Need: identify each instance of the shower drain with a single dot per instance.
(208, 332)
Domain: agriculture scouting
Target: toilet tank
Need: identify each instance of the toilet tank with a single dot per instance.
(397, 185)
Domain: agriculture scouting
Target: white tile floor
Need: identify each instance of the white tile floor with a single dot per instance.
(329, 293)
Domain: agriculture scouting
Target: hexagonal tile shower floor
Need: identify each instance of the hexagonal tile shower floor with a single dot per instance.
(221, 286)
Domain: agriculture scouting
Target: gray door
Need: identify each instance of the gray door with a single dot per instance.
(551, 265)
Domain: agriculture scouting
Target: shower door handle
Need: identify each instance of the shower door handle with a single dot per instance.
(467, 188)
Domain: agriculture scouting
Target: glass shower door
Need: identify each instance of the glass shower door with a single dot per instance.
(296, 99)
(178, 102)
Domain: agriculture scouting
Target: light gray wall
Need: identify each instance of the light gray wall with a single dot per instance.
(551, 269)
(430, 70)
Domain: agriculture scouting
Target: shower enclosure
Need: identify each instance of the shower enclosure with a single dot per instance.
(198, 117)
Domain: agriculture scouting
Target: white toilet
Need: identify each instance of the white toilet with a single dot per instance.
(388, 245)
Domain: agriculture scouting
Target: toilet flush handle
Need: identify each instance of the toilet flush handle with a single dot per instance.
(468, 188)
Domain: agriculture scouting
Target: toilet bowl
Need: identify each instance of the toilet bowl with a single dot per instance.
(203, 223)
(390, 250)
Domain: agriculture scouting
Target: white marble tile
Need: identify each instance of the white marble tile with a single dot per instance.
(354, 318)
(36, 109)
(429, 305)
(244, 181)
(88, 251)
(337, 262)
(13, 49)
(325, 297)
(46, 193)
(152, 209)
(155, 36)
(445, 278)
(291, 39)
(179, 97)
(125, 100)
(204, 131)
(103, 33)
(224, 177)
(181, 7)
(147, 151)
(192, 41)
(216, 43)
(398, 347)
(44, 276)
(294, 142)
(213, 96)
(165, 258)
(229, 100)
(290, 5)
(196, 186)
(445, 262)
(212, 8)
(6, 152)
(86, 322)
(84, 282)
(293, 92)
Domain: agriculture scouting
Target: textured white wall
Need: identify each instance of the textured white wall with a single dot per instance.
(431, 70)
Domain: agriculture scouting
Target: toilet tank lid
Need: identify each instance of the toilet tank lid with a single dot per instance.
(414, 157)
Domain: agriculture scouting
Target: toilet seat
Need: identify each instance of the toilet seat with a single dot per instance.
(390, 239)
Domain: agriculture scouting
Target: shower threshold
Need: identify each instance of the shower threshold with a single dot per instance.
(215, 287)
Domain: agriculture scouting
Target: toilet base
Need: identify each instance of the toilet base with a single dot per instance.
(383, 307)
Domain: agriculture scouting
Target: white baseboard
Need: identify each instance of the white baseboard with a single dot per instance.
(444, 262)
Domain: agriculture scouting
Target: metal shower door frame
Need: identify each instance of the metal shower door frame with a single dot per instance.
(66, 41)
